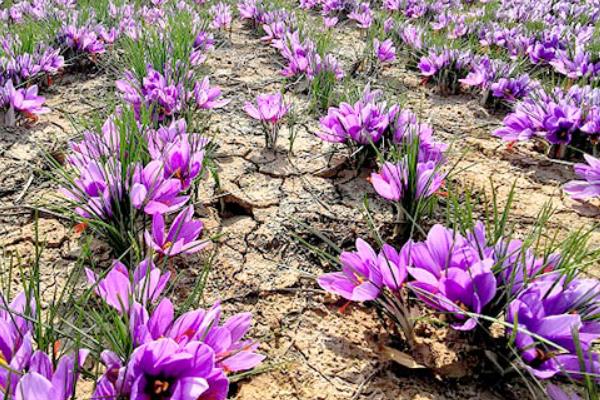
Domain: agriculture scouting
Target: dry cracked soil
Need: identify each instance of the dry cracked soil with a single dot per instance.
(315, 350)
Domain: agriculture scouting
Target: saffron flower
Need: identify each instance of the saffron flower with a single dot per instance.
(23, 100)
(203, 43)
(364, 122)
(117, 288)
(393, 266)
(456, 290)
(360, 278)
(165, 137)
(94, 147)
(384, 51)
(412, 36)
(363, 15)
(16, 341)
(554, 392)
(44, 382)
(269, 109)
(207, 97)
(512, 89)
(561, 122)
(405, 130)
(298, 54)
(589, 185)
(553, 308)
(232, 352)
(516, 265)
(163, 369)
(96, 189)
(221, 14)
(81, 39)
(449, 277)
(182, 161)
(153, 193)
(249, 10)
(181, 237)
(196, 341)
(330, 22)
(164, 96)
(577, 67)
(517, 127)
(393, 180)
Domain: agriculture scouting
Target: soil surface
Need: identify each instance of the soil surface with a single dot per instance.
(315, 350)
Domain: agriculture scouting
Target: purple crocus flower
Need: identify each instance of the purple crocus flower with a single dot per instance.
(221, 14)
(43, 382)
(153, 193)
(161, 139)
(384, 51)
(554, 309)
(330, 22)
(512, 89)
(456, 290)
(554, 392)
(181, 237)
(589, 185)
(329, 64)
(360, 278)
(274, 31)
(449, 277)
(412, 36)
(182, 161)
(393, 266)
(561, 122)
(232, 352)
(430, 65)
(540, 53)
(162, 369)
(25, 101)
(203, 43)
(94, 147)
(117, 288)
(591, 124)
(392, 181)
(249, 10)
(15, 339)
(308, 4)
(96, 189)
(130, 90)
(158, 92)
(517, 127)
(455, 62)
(578, 67)
(363, 15)
(406, 129)
(515, 264)
(388, 25)
(207, 97)
(270, 108)
(364, 122)
(81, 39)
(298, 54)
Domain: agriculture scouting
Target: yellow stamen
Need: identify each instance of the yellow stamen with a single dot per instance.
(359, 278)
(160, 387)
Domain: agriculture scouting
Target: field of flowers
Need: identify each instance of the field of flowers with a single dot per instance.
(299, 199)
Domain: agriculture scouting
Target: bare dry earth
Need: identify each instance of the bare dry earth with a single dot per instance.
(317, 352)
(25, 182)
